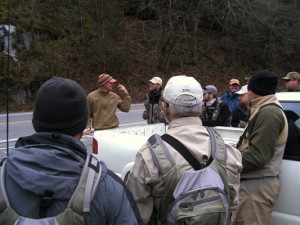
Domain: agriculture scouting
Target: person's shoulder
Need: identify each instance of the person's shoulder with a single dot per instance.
(272, 106)
(113, 94)
(111, 180)
(93, 93)
(223, 104)
(236, 96)
(113, 193)
(271, 111)
(225, 96)
(297, 89)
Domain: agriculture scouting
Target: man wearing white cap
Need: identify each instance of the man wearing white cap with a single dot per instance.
(182, 102)
(153, 112)
(241, 114)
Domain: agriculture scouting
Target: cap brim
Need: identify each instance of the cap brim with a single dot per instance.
(112, 81)
(241, 93)
(286, 78)
(154, 81)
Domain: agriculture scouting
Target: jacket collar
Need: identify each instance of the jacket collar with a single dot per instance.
(54, 138)
(261, 101)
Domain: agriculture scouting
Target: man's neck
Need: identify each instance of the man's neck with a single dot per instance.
(211, 101)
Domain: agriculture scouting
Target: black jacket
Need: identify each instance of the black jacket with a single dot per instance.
(218, 114)
(241, 113)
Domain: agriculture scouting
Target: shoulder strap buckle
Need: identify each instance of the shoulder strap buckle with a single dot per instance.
(46, 202)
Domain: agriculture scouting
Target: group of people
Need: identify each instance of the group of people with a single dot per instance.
(215, 111)
(231, 109)
(45, 175)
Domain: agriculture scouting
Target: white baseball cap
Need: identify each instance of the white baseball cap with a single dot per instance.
(243, 90)
(183, 85)
(156, 80)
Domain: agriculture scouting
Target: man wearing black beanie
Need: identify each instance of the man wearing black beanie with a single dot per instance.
(262, 145)
(50, 175)
(263, 83)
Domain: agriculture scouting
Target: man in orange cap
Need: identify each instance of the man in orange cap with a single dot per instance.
(103, 103)
(231, 98)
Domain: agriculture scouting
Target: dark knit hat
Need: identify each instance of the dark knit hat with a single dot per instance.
(60, 106)
(263, 82)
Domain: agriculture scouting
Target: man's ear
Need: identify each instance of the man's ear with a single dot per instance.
(165, 109)
(164, 105)
(78, 136)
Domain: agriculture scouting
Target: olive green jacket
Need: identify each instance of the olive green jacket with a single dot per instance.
(265, 139)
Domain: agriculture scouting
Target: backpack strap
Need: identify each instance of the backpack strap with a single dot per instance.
(218, 147)
(177, 145)
(80, 200)
(87, 185)
(4, 203)
(9, 216)
(46, 202)
(160, 152)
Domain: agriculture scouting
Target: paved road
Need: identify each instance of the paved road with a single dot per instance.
(20, 125)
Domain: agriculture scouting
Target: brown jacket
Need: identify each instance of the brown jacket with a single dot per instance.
(145, 181)
(102, 109)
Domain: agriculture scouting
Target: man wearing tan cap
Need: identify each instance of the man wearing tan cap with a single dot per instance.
(231, 98)
(153, 112)
(292, 81)
(103, 103)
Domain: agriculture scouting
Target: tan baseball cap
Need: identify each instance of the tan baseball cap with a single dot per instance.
(292, 75)
(156, 80)
(234, 81)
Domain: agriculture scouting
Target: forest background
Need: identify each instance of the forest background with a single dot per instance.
(134, 40)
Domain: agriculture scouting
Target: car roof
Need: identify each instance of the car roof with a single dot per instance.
(288, 96)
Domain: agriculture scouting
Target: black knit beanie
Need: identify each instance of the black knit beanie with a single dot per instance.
(60, 106)
(263, 82)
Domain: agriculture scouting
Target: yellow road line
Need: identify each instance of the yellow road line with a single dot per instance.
(29, 121)
(16, 122)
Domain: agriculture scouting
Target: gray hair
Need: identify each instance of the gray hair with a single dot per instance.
(185, 111)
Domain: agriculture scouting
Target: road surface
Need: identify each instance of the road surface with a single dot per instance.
(20, 125)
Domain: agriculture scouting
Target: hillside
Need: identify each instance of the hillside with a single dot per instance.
(215, 66)
(133, 43)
